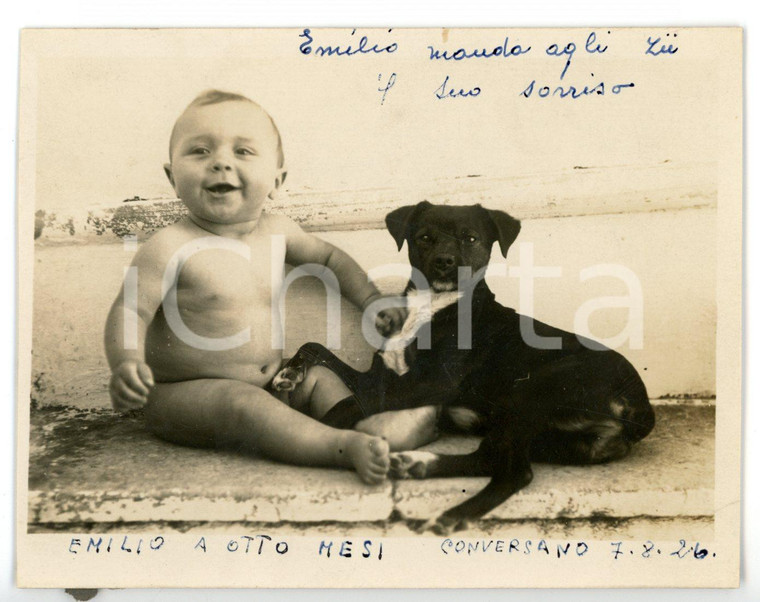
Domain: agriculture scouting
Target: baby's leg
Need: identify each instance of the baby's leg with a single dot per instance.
(403, 429)
(319, 391)
(237, 415)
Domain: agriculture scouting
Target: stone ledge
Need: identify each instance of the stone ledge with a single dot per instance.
(698, 528)
(681, 483)
(96, 467)
(583, 190)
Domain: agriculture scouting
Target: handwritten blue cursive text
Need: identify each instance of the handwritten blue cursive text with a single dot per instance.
(363, 47)
(451, 92)
(654, 50)
(572, 91)
(505, 50)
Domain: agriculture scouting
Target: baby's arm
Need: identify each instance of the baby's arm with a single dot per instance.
(354, 285)
(131, 378)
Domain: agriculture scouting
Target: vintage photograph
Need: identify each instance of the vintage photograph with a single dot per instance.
(335, 297)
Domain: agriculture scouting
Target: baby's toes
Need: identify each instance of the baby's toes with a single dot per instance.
(372, 478)
(370, 458)
(374, 473)
(380, 450)
(380, 458)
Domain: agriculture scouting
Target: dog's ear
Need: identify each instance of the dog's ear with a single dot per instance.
(507, 228)
(399, 220)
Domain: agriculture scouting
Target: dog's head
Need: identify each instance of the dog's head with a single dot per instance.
(442, 239)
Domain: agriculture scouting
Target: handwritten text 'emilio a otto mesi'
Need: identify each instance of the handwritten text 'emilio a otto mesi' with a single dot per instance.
(317, 45)
(368, 549)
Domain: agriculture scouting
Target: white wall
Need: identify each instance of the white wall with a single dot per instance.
(672, 254)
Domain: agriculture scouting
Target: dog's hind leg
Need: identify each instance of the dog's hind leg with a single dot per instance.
(600, 426)
(581, 442)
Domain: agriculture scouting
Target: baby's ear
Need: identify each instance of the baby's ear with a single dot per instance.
(278, 182)
(168, 172)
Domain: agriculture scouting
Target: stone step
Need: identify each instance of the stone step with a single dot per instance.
(93, 467)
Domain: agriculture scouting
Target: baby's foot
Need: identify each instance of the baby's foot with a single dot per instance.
(368, 455)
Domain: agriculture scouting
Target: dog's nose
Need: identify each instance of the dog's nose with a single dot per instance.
(444, 262)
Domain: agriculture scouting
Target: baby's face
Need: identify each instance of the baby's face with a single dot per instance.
(224, 161)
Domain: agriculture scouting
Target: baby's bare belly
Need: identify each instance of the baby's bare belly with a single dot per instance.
(176, 357)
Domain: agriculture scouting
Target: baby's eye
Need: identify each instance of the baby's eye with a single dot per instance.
(245, 151)
(199, 150)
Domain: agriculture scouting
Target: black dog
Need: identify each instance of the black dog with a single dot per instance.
(580, 403)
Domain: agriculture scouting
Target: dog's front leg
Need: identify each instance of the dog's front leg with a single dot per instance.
(501, 456)
(499, 489)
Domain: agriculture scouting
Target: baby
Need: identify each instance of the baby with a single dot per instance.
(189, 338)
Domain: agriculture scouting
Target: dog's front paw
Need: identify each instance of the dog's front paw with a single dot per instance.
(411, 464)
(287, 379)
(283, 382)
(443, 525)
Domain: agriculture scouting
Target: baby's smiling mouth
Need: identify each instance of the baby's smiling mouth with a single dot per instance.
(221, 188)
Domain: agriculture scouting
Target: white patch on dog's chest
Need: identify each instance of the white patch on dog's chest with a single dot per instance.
(422, 307)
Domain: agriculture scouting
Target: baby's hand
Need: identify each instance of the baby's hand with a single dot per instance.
(131, 382)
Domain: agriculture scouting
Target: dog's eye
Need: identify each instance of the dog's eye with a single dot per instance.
(425, 238)
(469, 238)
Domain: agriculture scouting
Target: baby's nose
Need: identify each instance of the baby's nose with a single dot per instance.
(221, 165)
(221, 161)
